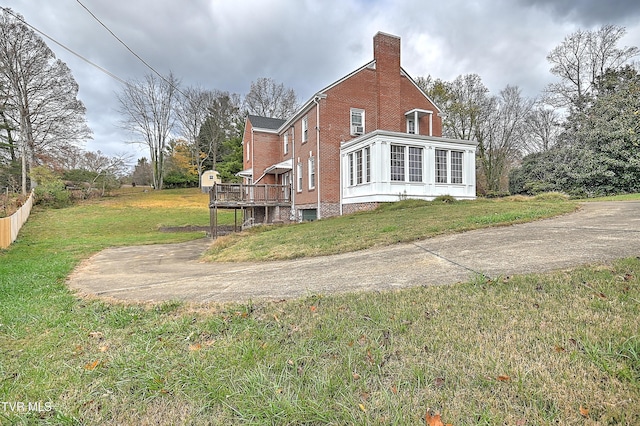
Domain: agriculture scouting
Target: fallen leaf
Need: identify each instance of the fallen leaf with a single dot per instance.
(504, 378)
(92, 365)
(439, 382)
(434, 420)
(96, 335)
(362, 407)
(394, 389)
(628, 277)
(211, 342)
(313, 308)
(355, 376)
(584, 411)
(600, 295)
(104, 348)
(275, 317)
(559, 348)
(195, 347)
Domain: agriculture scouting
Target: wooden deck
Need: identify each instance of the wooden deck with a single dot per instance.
(238, 195)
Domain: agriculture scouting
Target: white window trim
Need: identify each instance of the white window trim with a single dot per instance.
(305, 129)
(286, 143)
(312, 171)
(449, 167)
(364, 165)
(299, 176)
(356, 130)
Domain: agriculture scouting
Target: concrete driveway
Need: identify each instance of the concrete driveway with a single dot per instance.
(598, 232)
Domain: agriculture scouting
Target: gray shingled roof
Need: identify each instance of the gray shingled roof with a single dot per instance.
(265, 122)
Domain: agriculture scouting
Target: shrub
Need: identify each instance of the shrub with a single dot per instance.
(551, 196)
(447, 199)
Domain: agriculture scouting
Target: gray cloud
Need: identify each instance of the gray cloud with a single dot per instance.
(307, 44)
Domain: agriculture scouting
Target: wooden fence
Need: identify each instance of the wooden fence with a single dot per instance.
(10, 226)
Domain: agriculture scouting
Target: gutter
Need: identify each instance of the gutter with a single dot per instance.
(316, 100)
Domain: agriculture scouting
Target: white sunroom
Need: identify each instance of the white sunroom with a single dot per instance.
(384, 166)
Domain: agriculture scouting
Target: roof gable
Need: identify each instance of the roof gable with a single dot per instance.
(268, 123)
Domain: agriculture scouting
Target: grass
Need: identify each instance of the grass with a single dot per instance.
(526, 350)
(404, 221)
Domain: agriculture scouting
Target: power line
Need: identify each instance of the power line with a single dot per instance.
(107, 72)
(129, 49)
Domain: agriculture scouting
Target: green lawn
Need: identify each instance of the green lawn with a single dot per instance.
(561, 348)
(404, 221)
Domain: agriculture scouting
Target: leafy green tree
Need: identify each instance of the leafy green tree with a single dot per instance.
(231, 161)
(599, 153)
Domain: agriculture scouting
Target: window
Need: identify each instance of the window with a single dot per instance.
(312, 172)
(397, 163)
(367, 167)
(360, 166)
(415, 164)
(305, 129)
(248, 151)
(456, 167)
(351, 169)
(286, 143)
(411, 126)
(299, 176)
(357, 122)
(441, 166)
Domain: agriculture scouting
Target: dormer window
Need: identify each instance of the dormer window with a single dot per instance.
(357, 122)
(415, 119)
(411, 125)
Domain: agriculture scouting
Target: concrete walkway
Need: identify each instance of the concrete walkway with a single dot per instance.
(598, 232)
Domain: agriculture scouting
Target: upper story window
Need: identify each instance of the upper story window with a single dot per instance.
(286, 143)
(305, 129)
(357, 122)
(248, 151)
(411, 125)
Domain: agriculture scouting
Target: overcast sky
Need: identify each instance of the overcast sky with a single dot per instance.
(306, 44)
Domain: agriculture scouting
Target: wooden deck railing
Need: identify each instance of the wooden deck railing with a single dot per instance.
(241, 195)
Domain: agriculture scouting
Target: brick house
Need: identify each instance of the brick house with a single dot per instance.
(372, 136)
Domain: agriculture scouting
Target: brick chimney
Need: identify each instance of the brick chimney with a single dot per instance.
(386, 52)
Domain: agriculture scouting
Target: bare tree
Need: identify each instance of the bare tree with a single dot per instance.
(41, 93)
(270, 99)
(192, 111)
(104, 168)
(148, 110)
(501, 135)
(543, 128)
(580, 59)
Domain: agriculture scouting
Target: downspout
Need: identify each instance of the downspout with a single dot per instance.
(251, 151)
(316, 100)
(294, 173)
